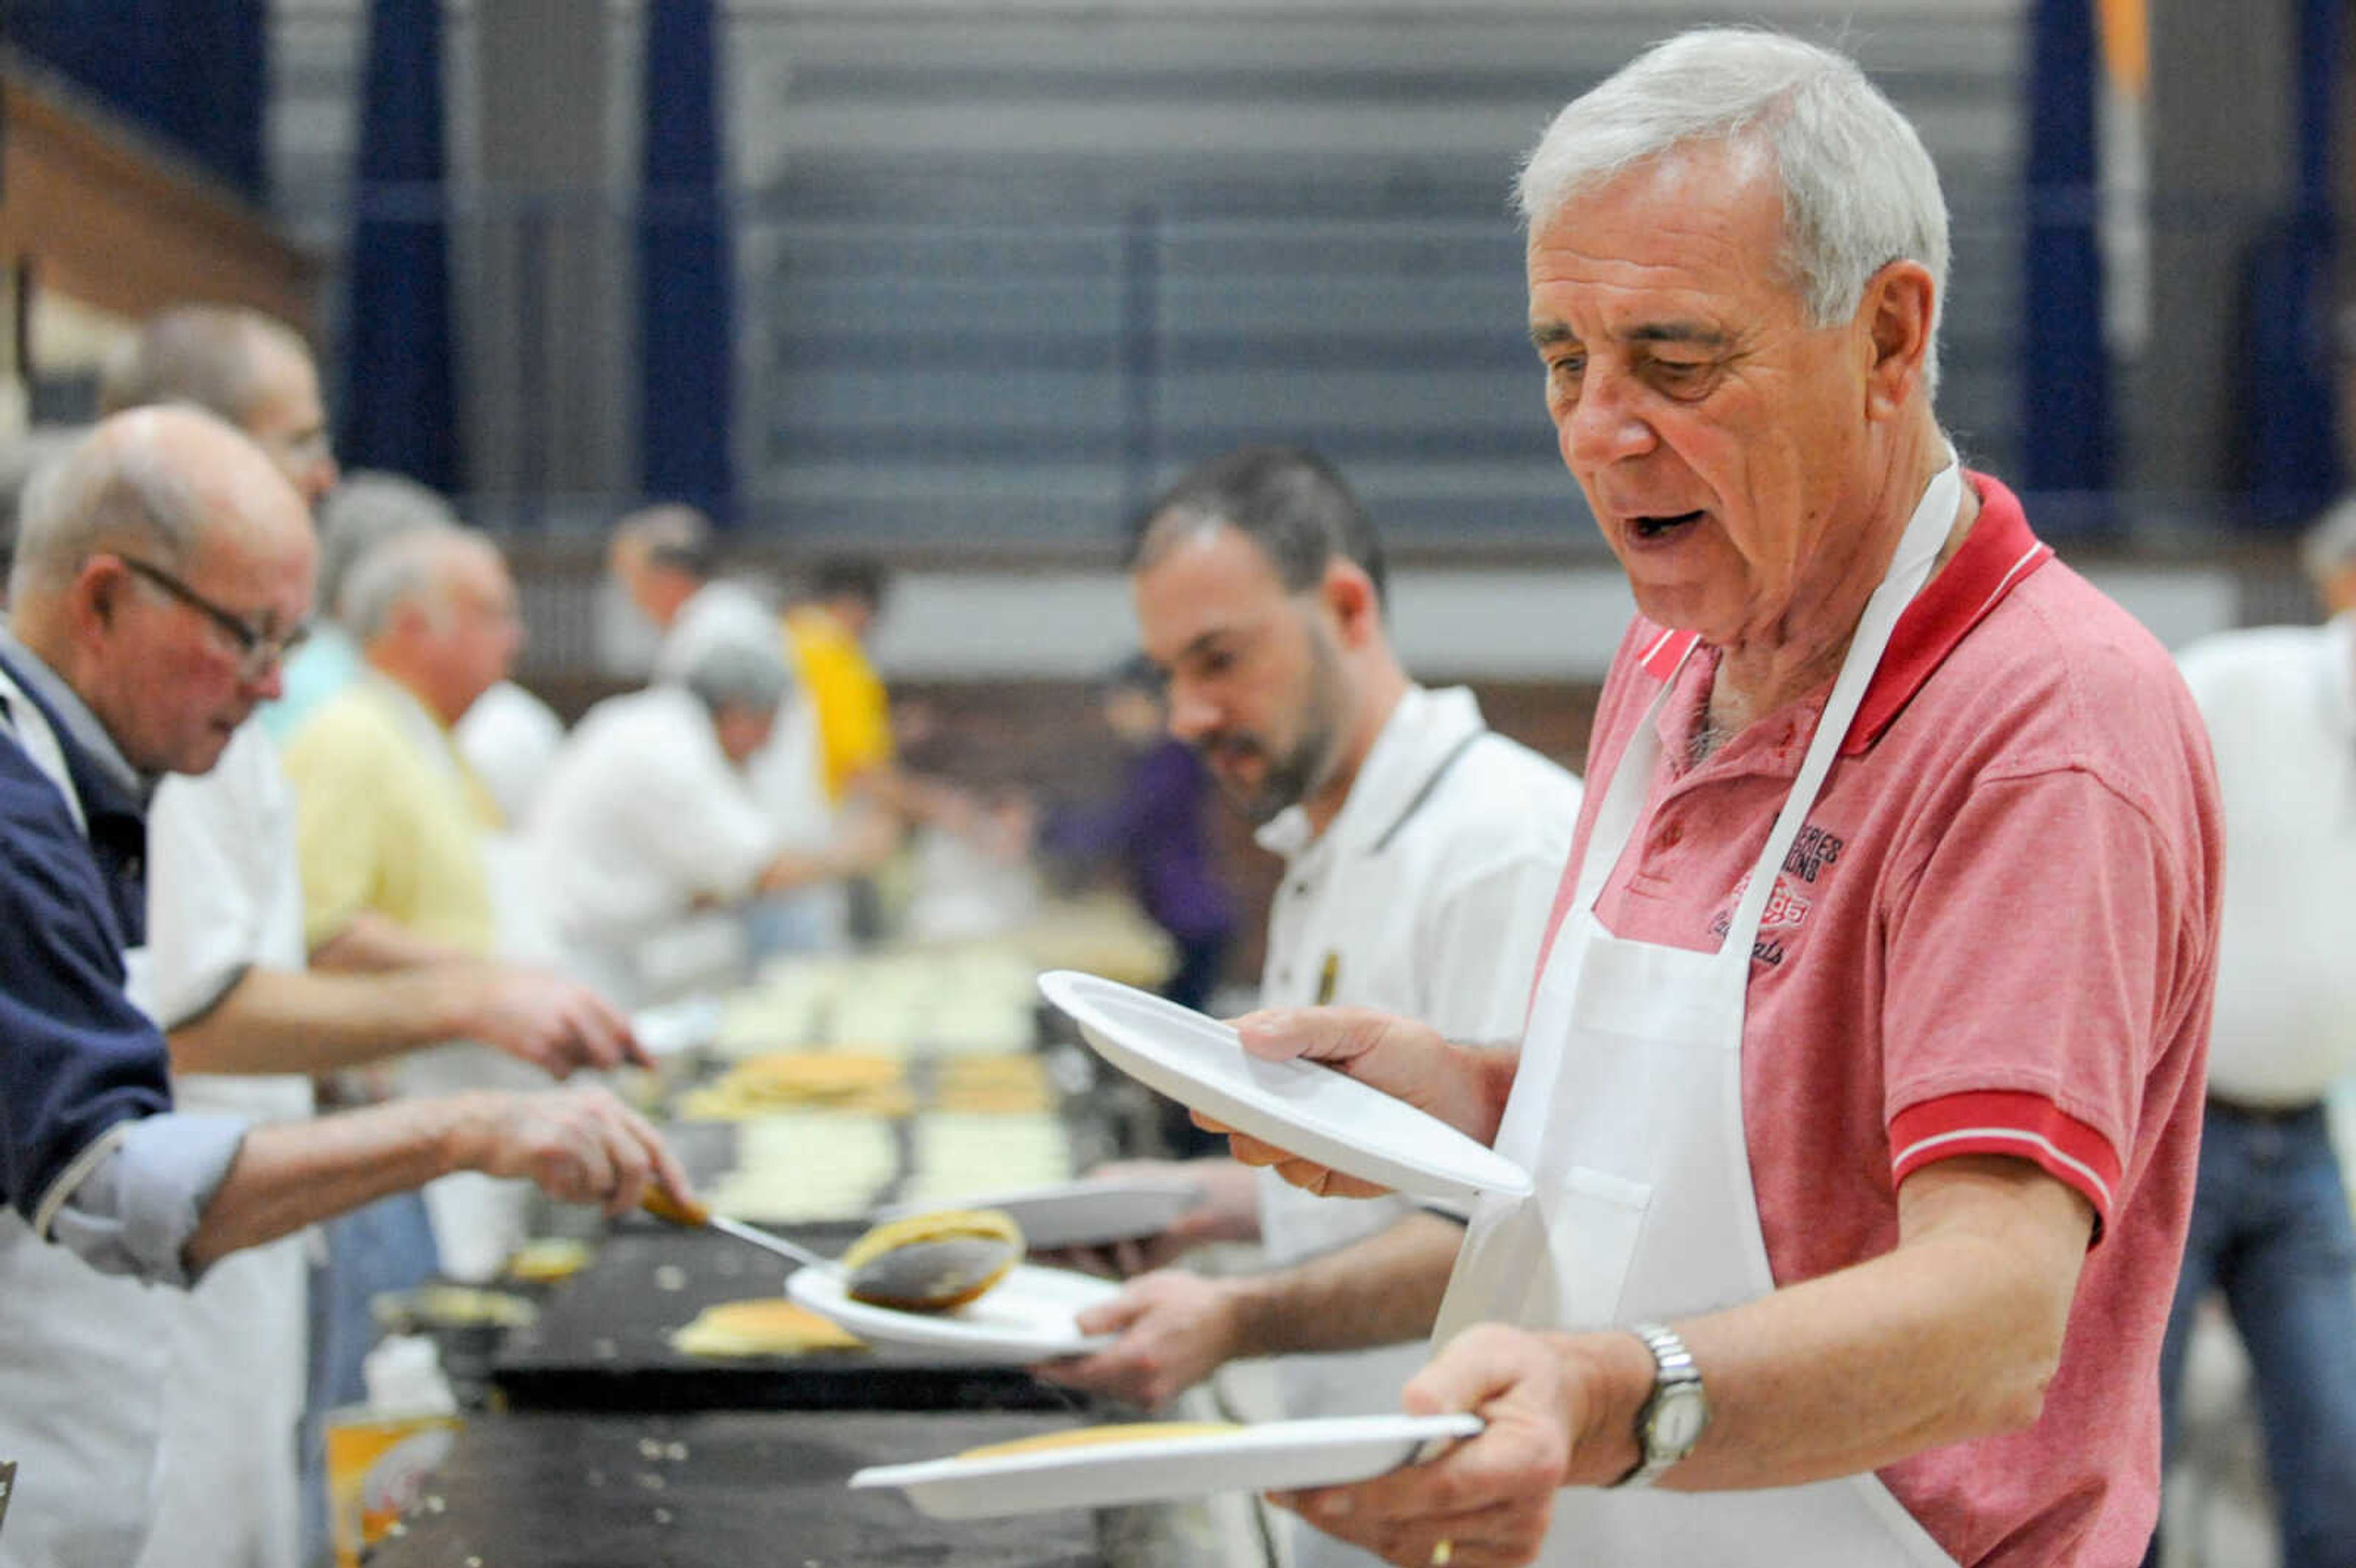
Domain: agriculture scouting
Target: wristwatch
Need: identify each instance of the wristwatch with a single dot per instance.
(1674, 1417)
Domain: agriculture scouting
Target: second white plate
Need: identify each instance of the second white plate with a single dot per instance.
(1303, 1107)
(1027, 1316)
(1081, 1213)
(1276, 1456)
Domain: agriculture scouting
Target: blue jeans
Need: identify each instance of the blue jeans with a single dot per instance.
(2271, 1230)
(382, 1246)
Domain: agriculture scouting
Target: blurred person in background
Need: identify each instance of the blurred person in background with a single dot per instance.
(1156, 828)
(163, 572)
(829, 628)
(390, 818)
(391, 823)
(362, 511)
(649, 840)
(2270, 1229)
(1420, 849)
(251, 1022)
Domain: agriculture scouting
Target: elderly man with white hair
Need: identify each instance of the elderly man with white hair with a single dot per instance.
(648, 833)
(163, 570)
(1861, 1084)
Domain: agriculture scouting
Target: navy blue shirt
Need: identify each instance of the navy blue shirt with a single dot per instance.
(76, 1057)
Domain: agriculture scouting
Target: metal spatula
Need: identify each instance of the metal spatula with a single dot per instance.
(925, 1275)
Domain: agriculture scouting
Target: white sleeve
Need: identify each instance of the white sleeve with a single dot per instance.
(1482, 936)
(680, 810)
(224, 887)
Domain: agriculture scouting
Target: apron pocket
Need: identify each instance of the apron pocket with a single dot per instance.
(1597, 1218)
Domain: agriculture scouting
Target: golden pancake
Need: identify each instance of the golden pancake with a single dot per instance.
(1099, 1436)
(985, 1225)
(765, 1326)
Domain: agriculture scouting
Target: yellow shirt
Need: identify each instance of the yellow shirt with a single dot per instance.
(389, 819)
(854, 716)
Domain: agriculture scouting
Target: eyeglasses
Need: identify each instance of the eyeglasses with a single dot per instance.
(258, 651)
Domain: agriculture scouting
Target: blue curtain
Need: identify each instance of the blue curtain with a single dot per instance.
(2292, 462)
(2065, 373)
(196, 77)
(686, 384)
(398, 401)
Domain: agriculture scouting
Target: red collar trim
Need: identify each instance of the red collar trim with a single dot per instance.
(1997, 557)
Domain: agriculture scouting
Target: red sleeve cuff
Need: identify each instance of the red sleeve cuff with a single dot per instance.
(2024, 1125)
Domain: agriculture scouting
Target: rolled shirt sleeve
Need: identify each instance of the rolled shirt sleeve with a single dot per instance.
(131, 1204)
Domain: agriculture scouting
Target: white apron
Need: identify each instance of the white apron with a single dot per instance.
(239, 1340)
(1627, 1109)
(81, 1359)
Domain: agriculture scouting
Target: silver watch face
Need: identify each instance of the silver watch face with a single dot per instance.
(1677, 1420)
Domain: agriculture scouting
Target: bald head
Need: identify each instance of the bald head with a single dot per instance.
(162, 564)
(166, 482)
(240, 366)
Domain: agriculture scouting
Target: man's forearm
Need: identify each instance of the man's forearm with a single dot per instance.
(1380, 1290)
(293, 1173)
(1953, 1335)
(278, 1021)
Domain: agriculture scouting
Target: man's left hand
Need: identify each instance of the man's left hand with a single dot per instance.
(1175, 1330)
(1490, 1497)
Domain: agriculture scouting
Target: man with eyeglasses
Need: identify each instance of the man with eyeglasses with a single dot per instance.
(254, 1011)
(164, 566)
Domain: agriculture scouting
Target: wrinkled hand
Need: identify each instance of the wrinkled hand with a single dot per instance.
(580, 1145)
(1490, 1497)
(1405, 1059)
(1229, 1211)
(549, 1021)
(1175, 1330)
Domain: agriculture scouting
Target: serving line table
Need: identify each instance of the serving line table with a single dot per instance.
(725, 1489)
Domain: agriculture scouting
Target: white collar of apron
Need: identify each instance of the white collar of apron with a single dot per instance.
(1421, 736)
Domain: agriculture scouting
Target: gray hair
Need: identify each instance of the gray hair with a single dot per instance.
(1290, 503)
(109, 489)
(363, 511)
(410, 568)
(674, 534)
(1859, 190)
(737, 671)
(2329, 546)
(199, 354)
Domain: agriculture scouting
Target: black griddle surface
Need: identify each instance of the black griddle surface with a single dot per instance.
(602, 1342)
(644, 1492)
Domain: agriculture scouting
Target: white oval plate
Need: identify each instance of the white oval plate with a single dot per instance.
(1303, 1107)
(1081, 1213)
(1276, 1456)
(1027, 1316)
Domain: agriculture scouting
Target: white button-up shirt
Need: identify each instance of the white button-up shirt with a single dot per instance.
(1426, 896)
(642, 820)
(2280, 703)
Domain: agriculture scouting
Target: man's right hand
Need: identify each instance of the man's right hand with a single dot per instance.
(1463, 1087)
(580, 1145)
(554, 1023)
(1175, 1330)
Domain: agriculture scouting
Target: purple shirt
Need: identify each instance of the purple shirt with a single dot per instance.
(1157, 826)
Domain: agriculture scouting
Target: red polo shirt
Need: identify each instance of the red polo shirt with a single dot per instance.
(1995, 933)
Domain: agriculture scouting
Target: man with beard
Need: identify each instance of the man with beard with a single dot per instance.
(1420, 852)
